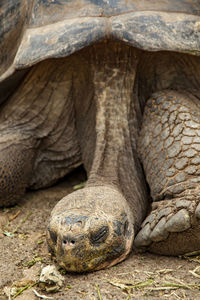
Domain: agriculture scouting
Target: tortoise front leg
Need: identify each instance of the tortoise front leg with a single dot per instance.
(16, 162)
(38, 142)
(169, 146)
(94, 227)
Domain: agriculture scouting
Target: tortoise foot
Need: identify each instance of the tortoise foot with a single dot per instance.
(15, 169)
(169, 147)
(91, 229)
(172, 228)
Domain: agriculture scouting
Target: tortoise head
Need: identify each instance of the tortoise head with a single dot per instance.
(91, 229)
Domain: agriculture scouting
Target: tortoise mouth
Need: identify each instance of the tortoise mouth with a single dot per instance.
(98, 262)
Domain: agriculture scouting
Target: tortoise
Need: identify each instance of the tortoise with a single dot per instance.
(112, 85)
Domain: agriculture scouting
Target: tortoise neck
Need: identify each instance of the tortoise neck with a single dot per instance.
(113, 73)
(111, 157)
(107, 117)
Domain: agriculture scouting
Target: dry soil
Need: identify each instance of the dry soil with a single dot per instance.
(24, 253)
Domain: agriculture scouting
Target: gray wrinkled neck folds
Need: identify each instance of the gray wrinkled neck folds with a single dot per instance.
(107, 116)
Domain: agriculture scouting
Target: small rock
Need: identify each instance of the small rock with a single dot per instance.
(50, 279)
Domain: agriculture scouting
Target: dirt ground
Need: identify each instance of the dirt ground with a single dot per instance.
(23, 253)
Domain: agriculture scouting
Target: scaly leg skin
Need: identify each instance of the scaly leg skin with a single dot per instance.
(94, 228)
(169, 147)
(16, 161)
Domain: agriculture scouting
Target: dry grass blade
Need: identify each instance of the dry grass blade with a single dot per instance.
(194, 259)
(177, 285)
(42, 296)
(130, 285)
(79, 186)
(98, 292)
(192, 256)
(11, 218)
(164, 271)
(162, 288)
(194, 253)
(152, 285)
(28, 286)
(11, 233)
(196, 272)
(119, 285)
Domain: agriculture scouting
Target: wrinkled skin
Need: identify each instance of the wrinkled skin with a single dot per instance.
(88, 108)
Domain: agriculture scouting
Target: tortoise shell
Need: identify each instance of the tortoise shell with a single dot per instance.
(34, 30)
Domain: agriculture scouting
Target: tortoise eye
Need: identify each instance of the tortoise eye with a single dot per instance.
(99, 236)
(126, 225)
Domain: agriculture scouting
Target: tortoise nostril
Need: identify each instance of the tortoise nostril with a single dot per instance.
(69, 242)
